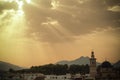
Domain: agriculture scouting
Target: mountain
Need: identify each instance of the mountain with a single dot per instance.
(4, 66)
(80, 61)
(117, 64)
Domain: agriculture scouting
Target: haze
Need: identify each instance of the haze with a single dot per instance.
(37, 32)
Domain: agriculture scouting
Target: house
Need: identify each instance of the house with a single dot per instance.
(58, 77)
(33, 76)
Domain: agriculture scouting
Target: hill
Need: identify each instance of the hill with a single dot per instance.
(80, 61)
(4, 66)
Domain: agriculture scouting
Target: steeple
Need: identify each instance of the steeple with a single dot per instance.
(92, 54)
(92, 65)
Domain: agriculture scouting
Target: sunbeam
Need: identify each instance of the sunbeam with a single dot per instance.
(34, 32)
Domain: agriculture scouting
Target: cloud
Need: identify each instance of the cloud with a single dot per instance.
(114, 8)
(64, 19)
(52, 30)
(7, 6)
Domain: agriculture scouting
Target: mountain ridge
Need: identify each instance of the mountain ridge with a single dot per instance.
(79, 61)
(5, 66)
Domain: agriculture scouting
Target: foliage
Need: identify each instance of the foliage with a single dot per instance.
(57, 69)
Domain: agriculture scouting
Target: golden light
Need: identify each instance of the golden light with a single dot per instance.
(55, 4)
(20, 4)
(28, 1)
(17, 17)
(8, 0)
(20, 12)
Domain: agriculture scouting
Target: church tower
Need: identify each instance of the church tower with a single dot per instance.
(93, 65)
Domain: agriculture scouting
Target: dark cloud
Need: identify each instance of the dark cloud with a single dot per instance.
(7, 5)
(112, 2)
(76, 17)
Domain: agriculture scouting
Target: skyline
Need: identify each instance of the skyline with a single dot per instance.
(68, 62)
(40, 32)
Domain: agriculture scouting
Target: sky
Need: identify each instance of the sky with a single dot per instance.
(38, 32)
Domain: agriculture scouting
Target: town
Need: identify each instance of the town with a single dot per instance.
(51, 39)
(104, 71)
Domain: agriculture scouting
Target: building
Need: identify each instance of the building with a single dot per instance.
(58, 77)
(33, 76)
(93, 70)
(106, 72)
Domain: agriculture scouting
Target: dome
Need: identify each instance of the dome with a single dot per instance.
(106, 64)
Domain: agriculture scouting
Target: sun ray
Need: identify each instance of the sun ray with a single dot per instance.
(55, 4)
(28, 1)
(55, 27)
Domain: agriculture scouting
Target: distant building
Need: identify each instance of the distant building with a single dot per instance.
(93, 70)
(106, 72)
(33, 76)
(58, 77)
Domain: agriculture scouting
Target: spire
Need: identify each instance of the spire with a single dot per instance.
(93, 65)
(92, 54)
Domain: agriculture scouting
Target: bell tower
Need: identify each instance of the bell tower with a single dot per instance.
(93, 65)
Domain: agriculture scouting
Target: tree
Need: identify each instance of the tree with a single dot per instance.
(11, 70)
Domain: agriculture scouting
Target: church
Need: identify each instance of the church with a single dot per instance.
(93, 66)
(105, 71)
